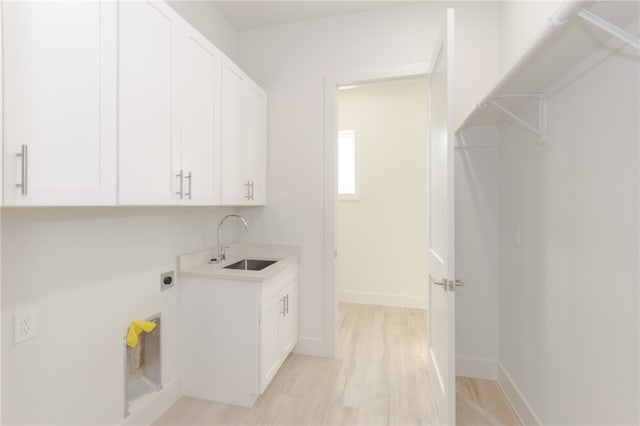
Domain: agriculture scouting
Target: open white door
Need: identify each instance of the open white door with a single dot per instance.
(441, 364)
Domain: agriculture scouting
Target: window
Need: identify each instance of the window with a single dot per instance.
(349, 164)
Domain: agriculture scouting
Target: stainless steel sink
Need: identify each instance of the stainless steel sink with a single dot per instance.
(250, 264)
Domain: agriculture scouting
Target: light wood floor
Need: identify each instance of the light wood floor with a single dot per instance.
(482, 402)
(379, 378)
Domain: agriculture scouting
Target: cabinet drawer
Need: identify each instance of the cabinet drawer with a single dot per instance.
(273, 285)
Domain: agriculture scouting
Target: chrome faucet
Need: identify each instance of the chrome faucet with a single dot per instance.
(221, 247)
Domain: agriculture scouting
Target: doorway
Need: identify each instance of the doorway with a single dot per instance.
(381, 236)
(381, 204)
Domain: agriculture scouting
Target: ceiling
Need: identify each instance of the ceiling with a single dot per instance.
(245, 15)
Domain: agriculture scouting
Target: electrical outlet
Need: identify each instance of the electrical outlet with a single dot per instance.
(167, 280)
(24, 326)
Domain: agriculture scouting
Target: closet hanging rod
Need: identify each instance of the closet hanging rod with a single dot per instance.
(464, 145)
(521, 95)
(559, 19)
(610, 28)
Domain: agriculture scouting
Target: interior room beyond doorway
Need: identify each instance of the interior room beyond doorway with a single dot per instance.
(381, 208)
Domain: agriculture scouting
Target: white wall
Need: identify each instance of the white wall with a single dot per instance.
(208, 20)
(477, 60)
(88, 272)
(387, 226)
(1, 186)
(569, 294)
(520, 23)
(477, 253)
(291, 61)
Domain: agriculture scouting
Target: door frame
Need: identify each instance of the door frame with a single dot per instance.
(332, 82)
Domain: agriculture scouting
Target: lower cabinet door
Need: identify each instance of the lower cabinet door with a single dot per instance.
(288, 332)
(270, 318)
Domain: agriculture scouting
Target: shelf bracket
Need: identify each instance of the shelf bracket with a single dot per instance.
(610, 28)
(541, 131)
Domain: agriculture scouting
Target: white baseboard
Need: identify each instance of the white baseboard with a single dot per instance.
(312, 346)
(149, 409)
(518, 401)
(477, 368)
(383, 299)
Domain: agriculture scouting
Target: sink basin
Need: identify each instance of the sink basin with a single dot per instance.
(250, 264)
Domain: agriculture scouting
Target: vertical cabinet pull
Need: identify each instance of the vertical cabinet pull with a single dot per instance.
(188, 194)
(24, 173)
(248, 194)
(286, 310)
(249, 186)
(181, 191)
(283, 307)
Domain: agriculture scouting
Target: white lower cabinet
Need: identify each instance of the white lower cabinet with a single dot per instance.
(278, 332)
(235, 334)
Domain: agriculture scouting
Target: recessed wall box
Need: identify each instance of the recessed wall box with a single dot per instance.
(167, 280)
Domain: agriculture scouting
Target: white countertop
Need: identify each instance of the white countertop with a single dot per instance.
(197, 263)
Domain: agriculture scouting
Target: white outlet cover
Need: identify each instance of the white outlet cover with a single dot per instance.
(24, 326)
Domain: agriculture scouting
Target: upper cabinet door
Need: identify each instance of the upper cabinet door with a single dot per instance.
(200, 119)
(235, 188)
(256, 125)
(244, 138)
(148, 149)
(59, 103)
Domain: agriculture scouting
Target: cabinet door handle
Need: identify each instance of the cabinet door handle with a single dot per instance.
(248, 194)
(283, 307)
(24, 174)
(181, 177)
(252, 190)
(188, 194)
(287, 304)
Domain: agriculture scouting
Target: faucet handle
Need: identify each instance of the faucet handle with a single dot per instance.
(223, 253)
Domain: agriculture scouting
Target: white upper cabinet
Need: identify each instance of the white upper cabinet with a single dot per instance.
(256, 116)
(234, 183)
(169, 109)
(111, 103)
(148, 148)
(244, 138)
(200, 119)
(59, 103)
